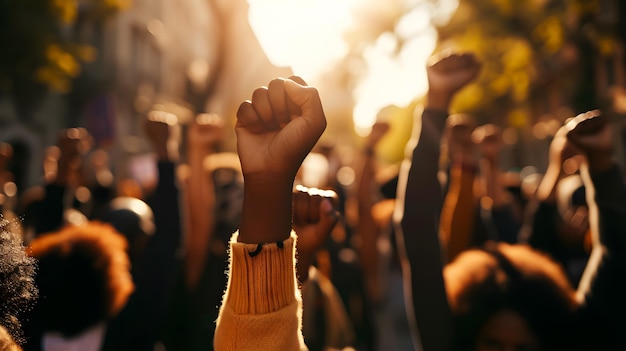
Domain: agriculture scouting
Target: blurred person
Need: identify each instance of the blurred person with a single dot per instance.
(419, 206)
(509, 297)
(47, 208)
(500, 207)
(153, 230)
(378, 254)
(325, 320)
(560, 231)
(84, 281)
(212, 191)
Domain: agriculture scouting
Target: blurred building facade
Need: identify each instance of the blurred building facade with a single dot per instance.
(184, 57)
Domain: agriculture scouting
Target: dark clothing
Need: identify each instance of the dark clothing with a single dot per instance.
(140, 324)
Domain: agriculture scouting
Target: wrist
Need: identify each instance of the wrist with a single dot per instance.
(439, 101)
(267, 208)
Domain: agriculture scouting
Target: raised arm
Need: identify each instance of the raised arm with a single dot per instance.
(314, 217)
(419, 204)
(262, 306)
(368, 229)
(602, 288)
(204, 135)
(459, 205)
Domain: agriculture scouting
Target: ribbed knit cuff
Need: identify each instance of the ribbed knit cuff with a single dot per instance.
(262, 277)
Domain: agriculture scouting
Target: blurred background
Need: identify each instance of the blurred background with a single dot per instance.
(105, 64)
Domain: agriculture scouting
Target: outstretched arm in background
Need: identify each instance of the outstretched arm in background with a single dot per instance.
(419, 203)
(368, 229)
(275, 131)
(459, 205)
(602, 287)
(204, 135)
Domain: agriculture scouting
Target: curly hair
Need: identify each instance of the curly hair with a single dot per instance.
(83, 277)
(480, 283)
(17, 283)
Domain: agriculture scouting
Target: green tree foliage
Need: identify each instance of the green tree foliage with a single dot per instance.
(38, 47)
(525, 45)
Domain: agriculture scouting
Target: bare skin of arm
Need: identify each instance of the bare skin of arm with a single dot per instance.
(368, 228)
(204, 135)
(275, 132)
(314, 217)
(458, 211)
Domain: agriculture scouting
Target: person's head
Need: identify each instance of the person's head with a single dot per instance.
(83, 277)
(17, 283)
(508, 297)
(132, 218)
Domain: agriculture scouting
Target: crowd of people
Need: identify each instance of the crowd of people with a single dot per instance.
(235, 251)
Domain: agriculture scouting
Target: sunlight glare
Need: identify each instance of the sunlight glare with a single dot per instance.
(303, 34)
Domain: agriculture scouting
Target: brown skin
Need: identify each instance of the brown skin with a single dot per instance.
(204, 136)
(368, 228)
(275, 131)
(314, 217)
(73, 144)
(448, 75)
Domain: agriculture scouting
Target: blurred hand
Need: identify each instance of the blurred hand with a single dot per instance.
(379, 129)
(278, 128)
(561, 149)
(162, 130)
(206, 133)
(449, 74)
(590, 133)
(314, 218)
(488, 137)
(73, 144)
(459, 135)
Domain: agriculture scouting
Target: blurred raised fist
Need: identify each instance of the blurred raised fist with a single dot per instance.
(314, 217)
(590, 133)
(207, 132)
(449, 74)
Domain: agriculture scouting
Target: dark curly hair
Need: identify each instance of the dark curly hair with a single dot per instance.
(83, 277)
(17, 284)
(479, 283)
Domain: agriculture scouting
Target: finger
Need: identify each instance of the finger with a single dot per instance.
(294, 109)
(587, 123)
(278, 100)
(308, 101)
(263, 108)
(300, 206)
(314, 205)
(247, 118)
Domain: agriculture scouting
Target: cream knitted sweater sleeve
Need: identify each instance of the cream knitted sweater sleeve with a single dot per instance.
(262, 307)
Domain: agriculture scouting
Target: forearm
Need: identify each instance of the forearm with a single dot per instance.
(458, 213)
(367, 229)
(602, 286)
(417, 234)
(200, 197)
